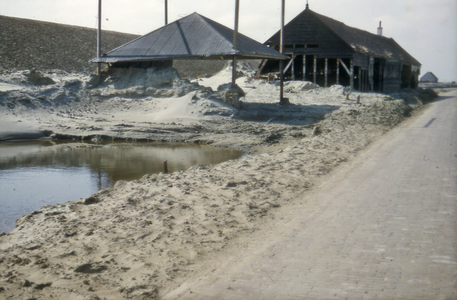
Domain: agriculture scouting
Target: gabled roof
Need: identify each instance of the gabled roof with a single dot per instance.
(194, 36)
(360, 41)
(429, 76)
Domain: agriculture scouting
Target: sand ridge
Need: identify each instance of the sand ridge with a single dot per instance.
(142, 239)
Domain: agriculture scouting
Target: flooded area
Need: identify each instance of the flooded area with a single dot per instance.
(38, 173)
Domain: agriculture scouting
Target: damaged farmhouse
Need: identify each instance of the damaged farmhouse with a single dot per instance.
(327, 52)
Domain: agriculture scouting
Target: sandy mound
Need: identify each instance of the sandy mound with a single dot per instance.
(28, 44)
(141, 239)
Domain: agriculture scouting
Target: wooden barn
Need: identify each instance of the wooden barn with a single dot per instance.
(328, 52)
(429, 77)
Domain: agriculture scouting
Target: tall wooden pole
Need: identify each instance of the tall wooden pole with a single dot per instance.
(326, 71)
(166, 12)
(281, 49)
(352, 74)
(235, 41)
(337, 71)
(315, 69)
(99, 35)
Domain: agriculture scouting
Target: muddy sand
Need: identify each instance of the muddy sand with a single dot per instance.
(143, 239)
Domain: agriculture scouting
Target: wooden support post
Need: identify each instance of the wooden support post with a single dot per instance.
(363, 80)
(293, 69)
(166, 12)
(304, 67)
(290, 63)
(235, 41)
(352, 73)
(281, 82)
(337, 71)
(99, 36)
(360, 80)
(345, 67)
(315, 69)
(234, 62)
(282, 100)
(165, 167)
(326, 71)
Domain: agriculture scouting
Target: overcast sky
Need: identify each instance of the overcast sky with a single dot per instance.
(427, 29)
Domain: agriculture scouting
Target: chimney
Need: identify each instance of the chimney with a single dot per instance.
(380, 29)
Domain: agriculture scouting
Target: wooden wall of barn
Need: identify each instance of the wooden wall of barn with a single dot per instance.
(320, 53)
(307, 35)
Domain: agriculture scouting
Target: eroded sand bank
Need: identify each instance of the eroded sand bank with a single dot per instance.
(142, 239)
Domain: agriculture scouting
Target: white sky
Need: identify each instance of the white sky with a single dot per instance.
(427, 29)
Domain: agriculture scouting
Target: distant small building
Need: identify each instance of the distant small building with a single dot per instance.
(429, 77)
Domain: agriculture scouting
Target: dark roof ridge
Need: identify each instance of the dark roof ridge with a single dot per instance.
(355, 39)
(374, 37)
(160, 28)
(193, 36)
(342, 23)
(206, 19)
(319, 16)
(157, 29)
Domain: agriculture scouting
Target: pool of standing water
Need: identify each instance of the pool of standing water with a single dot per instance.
(38, 173)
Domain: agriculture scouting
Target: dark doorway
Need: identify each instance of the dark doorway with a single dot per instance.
(406, 74)
(377, 76)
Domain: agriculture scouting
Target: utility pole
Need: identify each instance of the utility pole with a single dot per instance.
(235, 41)
(282, 100)
(166, 12)
(99, 35)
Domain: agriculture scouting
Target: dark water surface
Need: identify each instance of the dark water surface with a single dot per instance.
(38, 173)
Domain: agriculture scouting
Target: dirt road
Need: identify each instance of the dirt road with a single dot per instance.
(383, 227)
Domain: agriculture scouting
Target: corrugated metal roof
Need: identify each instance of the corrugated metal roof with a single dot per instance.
(193, 36)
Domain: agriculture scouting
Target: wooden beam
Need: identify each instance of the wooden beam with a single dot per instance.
(352, 73)
(304, 67)
(337, 71)
(235, 41)
(344, 66)
(293, 67)
(166, 12)
(315, 69)
(326, 71)
(290, 63)
(99, 35)
(281, 49)
(360, 80)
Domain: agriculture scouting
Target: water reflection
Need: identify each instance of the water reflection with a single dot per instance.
(33, 174)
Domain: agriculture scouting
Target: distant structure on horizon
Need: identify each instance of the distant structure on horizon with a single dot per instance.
(429, 77)
(327, 52)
